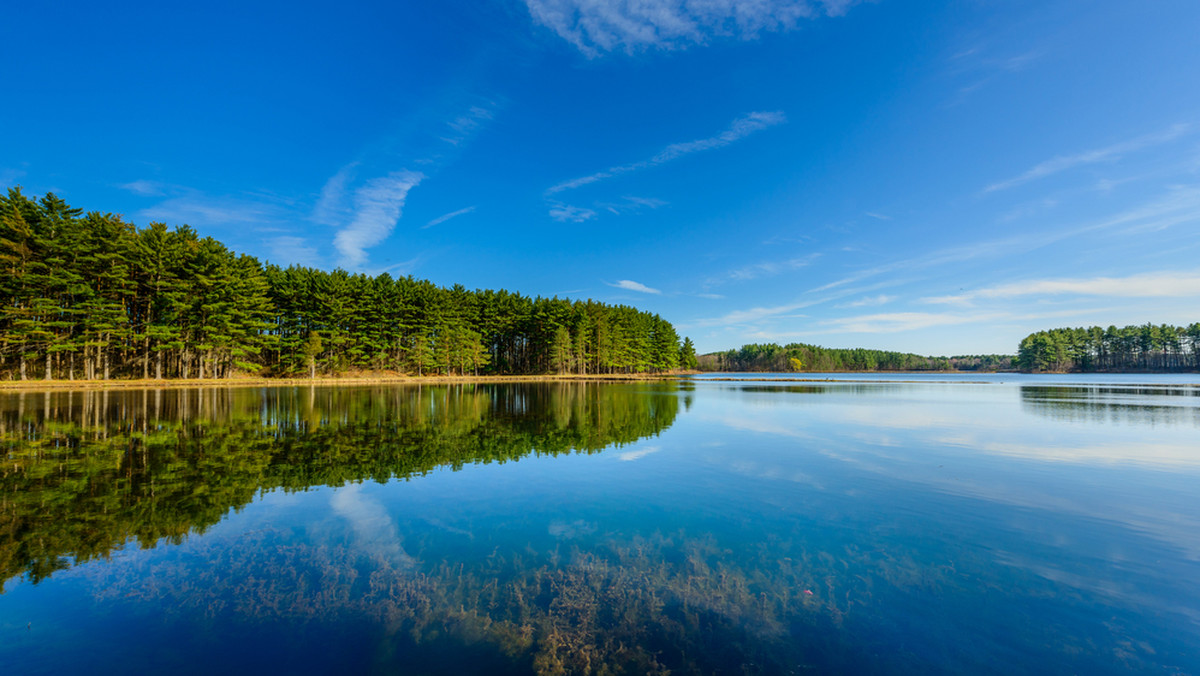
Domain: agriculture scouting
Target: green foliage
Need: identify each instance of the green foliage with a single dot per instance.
(95, 297)
(801, 357)
(1133, 348)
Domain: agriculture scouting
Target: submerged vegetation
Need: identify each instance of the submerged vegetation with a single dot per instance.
(1096, 349)
(795, 357)
(92, 296)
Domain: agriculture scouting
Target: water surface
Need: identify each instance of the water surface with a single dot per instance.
(915, 526)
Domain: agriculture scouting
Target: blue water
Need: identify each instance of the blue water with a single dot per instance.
(1022, 525)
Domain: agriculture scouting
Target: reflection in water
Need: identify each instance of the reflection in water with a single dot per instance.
(854, 528)
(88, 471)
(1137, 405)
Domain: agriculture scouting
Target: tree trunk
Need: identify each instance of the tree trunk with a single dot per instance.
(24, 376)
(146, 361)
(158, 366)
(49, 371)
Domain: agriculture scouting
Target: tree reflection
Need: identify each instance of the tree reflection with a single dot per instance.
(87, 472)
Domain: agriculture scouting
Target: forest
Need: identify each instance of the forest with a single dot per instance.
(796, 357)
(92, 296)
(1133, 348)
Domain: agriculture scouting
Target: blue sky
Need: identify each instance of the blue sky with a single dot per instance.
(935, 177)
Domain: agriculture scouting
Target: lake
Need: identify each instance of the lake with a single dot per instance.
(761, 525)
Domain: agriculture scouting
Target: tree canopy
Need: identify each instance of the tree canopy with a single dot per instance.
(1133, 348)
(93, 296)
(796, 357)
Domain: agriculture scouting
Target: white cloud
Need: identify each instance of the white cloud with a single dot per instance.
(630, 456)
(374, 528)
(331, 205)
(598, 26)
(144, 188)
(905, 321)
(1145, 285)
(895, 322)
(290, 250)
(767, 268)
(445, 217)
(564, 213)
(631, 285)
(880, 217)
(200, 210)
(739, 129)
(377, 207)
(1115, 151)
(751, 315)
(464, 126)
(869, 301)
(632, 205)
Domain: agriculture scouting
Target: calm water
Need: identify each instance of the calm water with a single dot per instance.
(1013, 525)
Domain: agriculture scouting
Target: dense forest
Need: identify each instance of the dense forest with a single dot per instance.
(92, 296)
(1133, 348)
(800, 357)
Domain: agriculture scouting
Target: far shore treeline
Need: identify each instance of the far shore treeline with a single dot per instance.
(1133, 348)
(801, 357)
(92, 296)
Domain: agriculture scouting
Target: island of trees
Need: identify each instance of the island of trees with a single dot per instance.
(92, 296)
(1132, 348)
(801, 357)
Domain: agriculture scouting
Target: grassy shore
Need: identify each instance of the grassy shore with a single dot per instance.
(324, 381)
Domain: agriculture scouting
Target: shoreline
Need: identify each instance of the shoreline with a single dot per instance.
(326, 381)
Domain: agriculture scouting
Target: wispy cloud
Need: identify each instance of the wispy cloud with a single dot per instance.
(145, 188)
(630, 285)
(198, 209)
(893, 322)
(630, 456)
(633, 205)
(878, 216)
(464, 126)
(739, 129)
(974, 63)
(291, 250)
(596, 27)
(377, 207)
(1065, 162)
(445, 217)
(373, 527)
(766, 269)
(869, 301)
(751, 315)
(1145, 285)
(331, 207)
(566, 213)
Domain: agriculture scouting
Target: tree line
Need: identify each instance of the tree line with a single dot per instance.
(794, 357)
(1133, 348)
(95, 297)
